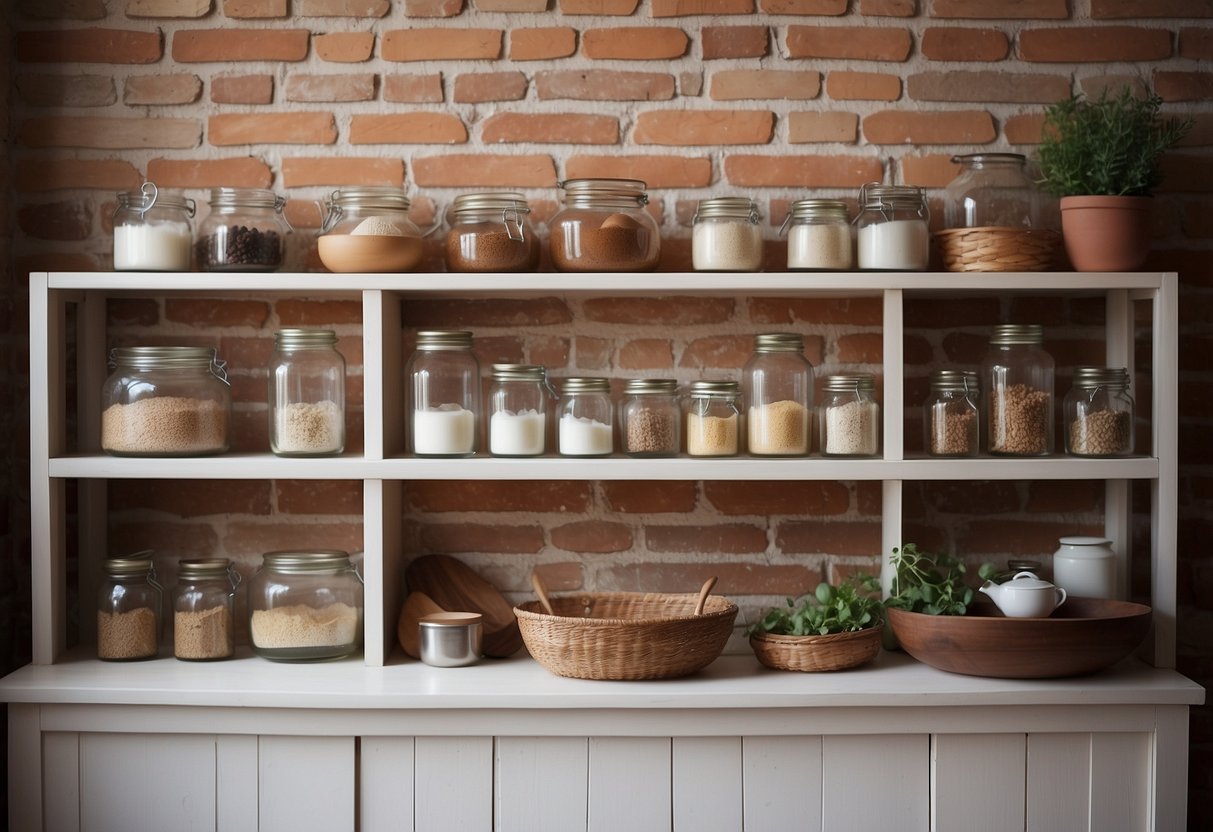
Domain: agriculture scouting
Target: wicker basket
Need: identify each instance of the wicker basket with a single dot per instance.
(997, 249)
(837, 651)
(626, 635)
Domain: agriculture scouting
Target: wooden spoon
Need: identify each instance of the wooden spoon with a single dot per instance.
(703, 594)
(542, 591)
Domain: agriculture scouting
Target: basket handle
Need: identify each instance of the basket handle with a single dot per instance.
(703, 594)
(542, 591)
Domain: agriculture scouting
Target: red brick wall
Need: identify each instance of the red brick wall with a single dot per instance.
(778, 99)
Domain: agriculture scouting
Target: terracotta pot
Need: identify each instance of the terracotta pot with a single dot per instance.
(1106, 233)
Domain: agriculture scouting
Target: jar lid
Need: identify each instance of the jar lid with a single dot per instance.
(779, 342)
(1027, 582)
(450, 619)
(585, 384)
(444, 339)
(650, 386)
(499, 201)
(1089, 378)
(583, 192)
(807, 209)
(1023, 565)
(520, 372)
(383, 197)
(136, 565)
(714, 389)
(977, 160)
(850, 382)
(727, 207)
(875, 195)
(305, 337)
(204, 568)
(148, 195)
(1083, 540)
(163, 358)
(300, 562)
(246, 198)
(1018, 334)
(965, 381)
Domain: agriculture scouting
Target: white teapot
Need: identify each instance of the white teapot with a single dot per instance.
(1025, 596)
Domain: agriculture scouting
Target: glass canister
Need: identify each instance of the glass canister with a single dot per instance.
(993, 190)
(650, 417)
(491, 232)
(305, 606)
(1098, 413)
(307, 394)
(1017, 375)
(165, 401)
(367, 229)
(1085, 567)
(849, 416)
(585, 417)
(444, 394)
(892, 228)
(951, 417)
(244, 232)
(518, 404)
(725, 236)
(128, 609)
(204, 605)
(819, 236)
(603, 227)
(713, 418)
(777, 384)
(153, 231)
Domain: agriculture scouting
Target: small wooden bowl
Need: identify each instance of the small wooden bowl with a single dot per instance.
(1082, 636)
(351, 254)
(817, 654)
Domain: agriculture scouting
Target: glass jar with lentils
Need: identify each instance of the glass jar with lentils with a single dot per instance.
(1017, 377)
(1098, 413)
(951, 417)
(650, 417)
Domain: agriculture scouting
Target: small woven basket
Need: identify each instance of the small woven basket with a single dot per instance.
(998, 249)
(811, 654)
(626, 635)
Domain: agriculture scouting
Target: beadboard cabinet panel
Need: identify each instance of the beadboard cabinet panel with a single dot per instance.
(629, 785)
(147, 781)
(61, 767)
(876, 782)
(453, 783)
(236, 783)
(1058, 782)
(978, 776)
(781, 779)
(541, 784)
(386, 774)
(305, 783)
(707, 784)
(1120, 775)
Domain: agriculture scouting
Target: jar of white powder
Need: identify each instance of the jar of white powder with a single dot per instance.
(819, 236)
(444, 394)
(153, 231)
(306, 394)
(586, 420)
(518, 404)
(777, 384)
(850, 417)
(726, 236)
(305, 606)
(892, 228)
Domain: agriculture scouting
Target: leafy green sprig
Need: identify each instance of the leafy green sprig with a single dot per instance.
(931, 583)
(852, 605)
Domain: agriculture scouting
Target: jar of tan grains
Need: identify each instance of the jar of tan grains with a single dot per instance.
(204, 603)
(491, 232)
(650, 417)
(849, 416)
(819, 236)
(165, 401)
(713, 418)
(725, 236)
(603, 227)
(1098, 413)
(951, 419)
(306, 394)
(1017, 377)
(128, 609)
(305, 606)
(777, 385)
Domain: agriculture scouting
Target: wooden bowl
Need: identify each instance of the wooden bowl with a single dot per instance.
(1082, 636)
(817, 654)
(349, 253)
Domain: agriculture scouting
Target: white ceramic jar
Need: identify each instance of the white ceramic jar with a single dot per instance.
(1086, 567)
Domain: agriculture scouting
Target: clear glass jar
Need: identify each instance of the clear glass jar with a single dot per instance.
(153, 231)
(1085, 567)
(819, 236)
(725, 236)
(892, 228)
(993, 190)
(777, 384)
(518, 405)
(1017, 375)
(849, 416)
(244, 232)
(444, 394)
(305, 606)
(951, 414)
(586, 417)
(367, 229)
(650, 418)
(603, 227)
(128, 609)
(713, 418)
(1098, 413)
(204, 607)
(491, 232)
(307, 394)
(165, 401)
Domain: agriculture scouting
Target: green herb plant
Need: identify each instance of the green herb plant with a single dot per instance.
(852, 605)
(931, 583)
(1109, 146)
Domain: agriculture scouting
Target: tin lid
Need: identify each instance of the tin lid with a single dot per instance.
(588, 192)
(850, 382)
(1090, 378)
(727, 207)
(1007, 334)
(779, 342)
(203, 568)
(383, 197)
(714, 389)
(148, 195)
(164, 358)
(444, 339)
(876, 195)
(805, 209)
(246, 198)
(131, 566)
(450, 619)
(301, 562)
(496, 201)
(585, 384)
(520, 372)
(650, 386)
(978, 160)
(965, 381)
(302, 338)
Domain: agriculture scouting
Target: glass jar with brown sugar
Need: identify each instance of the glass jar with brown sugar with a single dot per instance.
(603, 227)
(491, 232)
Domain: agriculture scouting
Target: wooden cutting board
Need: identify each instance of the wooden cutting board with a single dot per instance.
(454, 586)
(416, 606)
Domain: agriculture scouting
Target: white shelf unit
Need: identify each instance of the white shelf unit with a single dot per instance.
(376, 742)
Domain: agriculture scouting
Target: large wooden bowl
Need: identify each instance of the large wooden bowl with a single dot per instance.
(1082, 636)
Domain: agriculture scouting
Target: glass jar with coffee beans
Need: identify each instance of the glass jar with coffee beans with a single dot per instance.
(244, 232)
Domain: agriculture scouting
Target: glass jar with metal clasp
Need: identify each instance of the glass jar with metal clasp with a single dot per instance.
(305, 606)
(491, 232)
(952, 414)
(726, 236)
(518, 406)
(204, 605)
(586, 426)
(153, 231)
(650, 418)
(819, 236)
(849, 417)
(128, 609)
(367, 229)
(603, 227)
(713, 419)
(245, 231)
(892, 228)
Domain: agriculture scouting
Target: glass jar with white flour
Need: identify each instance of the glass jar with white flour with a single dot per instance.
(444, 394)
(892, 228)
(153, 231)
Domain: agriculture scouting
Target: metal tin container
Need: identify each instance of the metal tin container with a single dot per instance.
(450, 639)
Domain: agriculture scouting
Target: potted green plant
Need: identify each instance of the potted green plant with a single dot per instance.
(835, 628)
(1101, 158)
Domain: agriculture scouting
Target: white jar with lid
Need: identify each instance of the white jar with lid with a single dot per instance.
(726, 236)
(153, 231)
(892, 228)
(819, 235)
(1086, 567)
